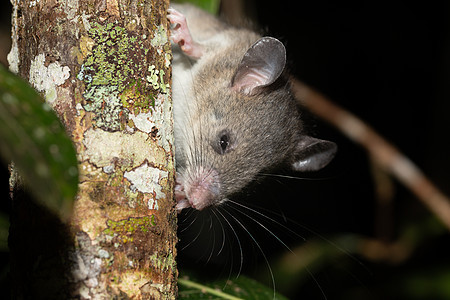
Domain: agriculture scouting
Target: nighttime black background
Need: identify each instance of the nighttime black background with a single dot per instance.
(388, 63)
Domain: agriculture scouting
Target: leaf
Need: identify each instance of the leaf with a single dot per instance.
(32, 136)
(426, 283)
(233, 289)
(211, 6)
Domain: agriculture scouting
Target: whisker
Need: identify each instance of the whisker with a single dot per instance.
(317, 283)
(194, 239)
(214, 238)
(238, 240)
(284, 244)
(313, 232)
(189, 213)
(260, 249)
(222, 247)
(267, 217)
(265, 228)
(296, 177)
(223, 231)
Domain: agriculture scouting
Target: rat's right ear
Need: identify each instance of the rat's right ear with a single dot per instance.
(261, 66)
(312, 154)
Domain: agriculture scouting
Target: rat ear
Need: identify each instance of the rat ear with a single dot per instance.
(313, 154)
(261, 65)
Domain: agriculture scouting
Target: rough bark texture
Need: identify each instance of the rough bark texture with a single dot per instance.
(104, 66)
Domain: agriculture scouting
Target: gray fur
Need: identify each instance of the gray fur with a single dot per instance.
(263, 124)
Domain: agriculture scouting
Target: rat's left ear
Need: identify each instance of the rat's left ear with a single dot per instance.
(312, 154)
(261, 65)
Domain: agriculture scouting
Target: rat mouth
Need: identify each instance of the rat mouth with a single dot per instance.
(200, 191)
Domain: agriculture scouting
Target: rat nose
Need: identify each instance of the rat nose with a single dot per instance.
(203, 189)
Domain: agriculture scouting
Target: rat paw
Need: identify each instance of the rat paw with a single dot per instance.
(180, 34)
(180, 197)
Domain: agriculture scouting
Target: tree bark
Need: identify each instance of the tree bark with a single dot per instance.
(104, 67)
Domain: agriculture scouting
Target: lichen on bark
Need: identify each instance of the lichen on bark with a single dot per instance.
(113, 84)
(104, 67)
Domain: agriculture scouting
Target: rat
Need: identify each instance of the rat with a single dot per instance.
(234, 112)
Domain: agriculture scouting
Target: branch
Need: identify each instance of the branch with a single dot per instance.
(389, 157)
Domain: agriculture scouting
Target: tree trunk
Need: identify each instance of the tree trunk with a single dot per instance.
(104, 67)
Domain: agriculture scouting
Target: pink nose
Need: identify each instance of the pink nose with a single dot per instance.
(203, 189)
(200, 197)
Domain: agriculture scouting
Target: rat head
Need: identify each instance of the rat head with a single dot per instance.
(243, 121)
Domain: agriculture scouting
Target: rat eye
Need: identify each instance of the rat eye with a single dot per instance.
(223, 142)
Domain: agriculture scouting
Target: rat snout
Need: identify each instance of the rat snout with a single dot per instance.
(203, 188)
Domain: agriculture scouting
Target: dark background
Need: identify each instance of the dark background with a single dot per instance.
(389, 64)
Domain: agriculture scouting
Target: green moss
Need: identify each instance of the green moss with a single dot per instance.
(135, 97)
(163, 263)
(111, 55)
(125, 229)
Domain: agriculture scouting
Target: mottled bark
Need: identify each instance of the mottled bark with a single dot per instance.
(104, 67)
